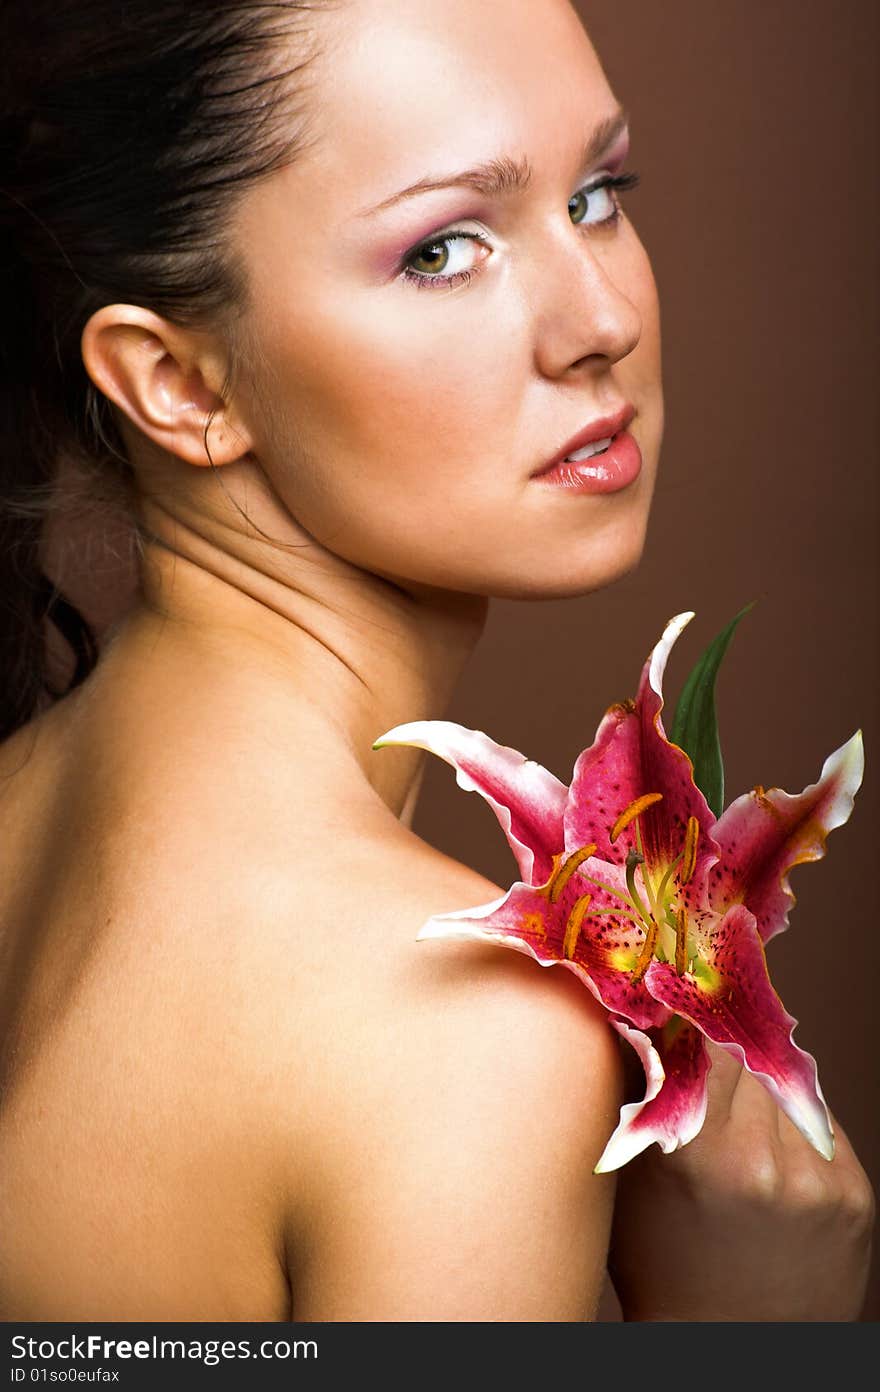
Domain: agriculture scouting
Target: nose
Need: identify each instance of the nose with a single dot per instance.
(584, 312)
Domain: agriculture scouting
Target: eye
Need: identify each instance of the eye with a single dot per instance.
(433, 263)
(448, 259)
(599, 203)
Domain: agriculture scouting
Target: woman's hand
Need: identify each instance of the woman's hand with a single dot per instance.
(747, 1222)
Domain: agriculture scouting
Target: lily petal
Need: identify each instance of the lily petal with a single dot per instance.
(763, 835)
(527, 921)
(673, 1110)
(527, 799)
(730, 998)
(630, 757)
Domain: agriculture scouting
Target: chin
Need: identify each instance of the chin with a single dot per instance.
(568, 587)
(589, 564)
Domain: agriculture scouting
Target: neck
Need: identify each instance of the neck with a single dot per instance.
(323, 649)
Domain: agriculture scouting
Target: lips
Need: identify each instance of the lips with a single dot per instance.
(605, 427)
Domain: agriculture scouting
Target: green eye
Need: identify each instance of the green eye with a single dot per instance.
(598, 203)
(434, 257)
(439, 256)
(592, 205)
(579, 199)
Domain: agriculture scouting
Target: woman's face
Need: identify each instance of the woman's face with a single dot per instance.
(406, 413)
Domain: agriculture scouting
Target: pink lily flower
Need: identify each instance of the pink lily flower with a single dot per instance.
(662, 911)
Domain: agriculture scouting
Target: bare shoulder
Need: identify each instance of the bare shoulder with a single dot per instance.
(453, 1098)
(414, 1122)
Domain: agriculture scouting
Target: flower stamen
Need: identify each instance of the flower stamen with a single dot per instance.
(689, 862)
(561, 876)
(631, 812)
(573, 926)
(609, 889)
(619, 913)
(646, 954)
(681, 942)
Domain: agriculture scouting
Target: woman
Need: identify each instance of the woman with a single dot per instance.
(234, 1087)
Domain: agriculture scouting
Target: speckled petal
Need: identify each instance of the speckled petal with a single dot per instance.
(527, 799)
(527, 921)
(606, 944)
(522, 919)
(630, 757)
(762, 835)
(673, 1110)
(730, 998)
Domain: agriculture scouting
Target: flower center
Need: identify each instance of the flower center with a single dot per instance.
(653, 907)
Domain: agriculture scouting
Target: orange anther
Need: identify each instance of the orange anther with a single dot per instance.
(630, 813)
(646, 954)
(573, 926)
(561, 877)
(551, 880)
(689, 861)
(681, 942)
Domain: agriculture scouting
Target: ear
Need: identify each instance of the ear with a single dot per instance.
(167, 380)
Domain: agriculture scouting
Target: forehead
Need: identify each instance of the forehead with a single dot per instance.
(406, 88)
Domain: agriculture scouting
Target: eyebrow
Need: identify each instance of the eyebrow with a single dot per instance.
(504, 174)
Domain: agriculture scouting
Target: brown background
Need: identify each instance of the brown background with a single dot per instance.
(755, 130)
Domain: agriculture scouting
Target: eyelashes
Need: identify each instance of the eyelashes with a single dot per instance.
(615, 184)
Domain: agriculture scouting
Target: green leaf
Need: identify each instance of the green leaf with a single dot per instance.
(695, 723)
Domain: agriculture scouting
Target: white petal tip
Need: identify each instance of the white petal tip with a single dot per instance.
(441, 928)
(626, 1143)
(677, 624)
(428, 930)
(398, 735)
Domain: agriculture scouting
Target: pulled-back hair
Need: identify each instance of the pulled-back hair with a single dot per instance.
(128, 128)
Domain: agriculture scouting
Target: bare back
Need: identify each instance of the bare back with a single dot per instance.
(127, 1184)
(222, 1051)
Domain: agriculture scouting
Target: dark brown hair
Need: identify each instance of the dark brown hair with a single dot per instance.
(127, 130)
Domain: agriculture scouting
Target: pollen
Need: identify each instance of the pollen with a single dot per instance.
(630, 813)
(646, 954)
(533, 923)
(681, 939)
(689, 861)
(573, 926)
(560, 877)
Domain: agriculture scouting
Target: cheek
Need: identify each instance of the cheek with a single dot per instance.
(378, 390)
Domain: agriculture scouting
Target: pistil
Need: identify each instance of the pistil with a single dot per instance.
(632, 860)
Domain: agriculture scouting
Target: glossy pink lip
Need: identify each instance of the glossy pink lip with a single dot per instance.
(596, 430)
(615, 469)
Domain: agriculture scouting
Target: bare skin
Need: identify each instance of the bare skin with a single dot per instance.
(234, 1086)
(746, 1222)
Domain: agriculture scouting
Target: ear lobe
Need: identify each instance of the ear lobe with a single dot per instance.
(156, 373)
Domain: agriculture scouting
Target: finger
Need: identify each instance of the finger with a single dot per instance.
(737, 1097)
(725, 1073)
(753, 1105)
